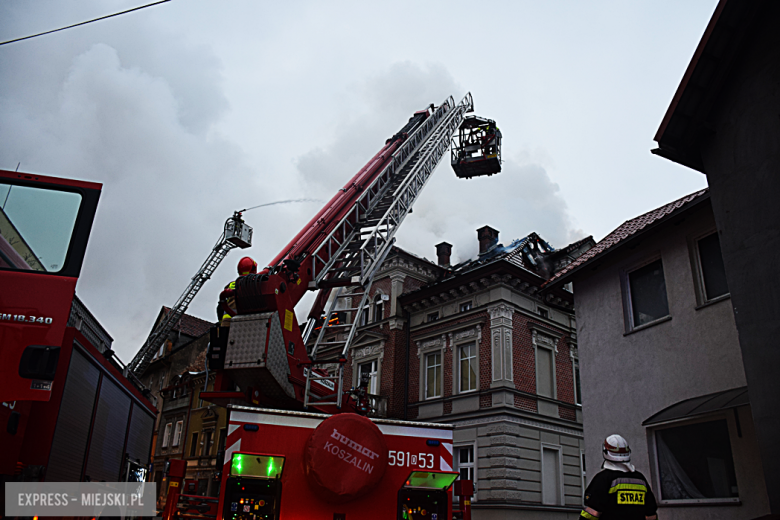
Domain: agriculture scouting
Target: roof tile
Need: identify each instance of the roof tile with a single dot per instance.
(190, 325)
(626, 230)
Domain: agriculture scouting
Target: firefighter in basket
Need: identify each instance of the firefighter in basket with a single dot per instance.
(227, 301)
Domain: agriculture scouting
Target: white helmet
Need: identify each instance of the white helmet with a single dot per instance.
(616, 449)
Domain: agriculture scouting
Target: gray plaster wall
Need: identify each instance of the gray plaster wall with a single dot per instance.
(626, 378)
(742, 162)
(509, 469)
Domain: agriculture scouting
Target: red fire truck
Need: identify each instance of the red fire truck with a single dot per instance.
(286, 464)
(338, 464)
(68, 413)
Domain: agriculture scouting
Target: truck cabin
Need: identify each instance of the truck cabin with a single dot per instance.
(476, 148)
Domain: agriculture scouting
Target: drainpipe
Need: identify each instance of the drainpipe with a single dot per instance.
(206, 384)
(406, 371)
(187, 434)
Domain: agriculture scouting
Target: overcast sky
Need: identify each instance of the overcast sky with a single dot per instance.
(191, 109)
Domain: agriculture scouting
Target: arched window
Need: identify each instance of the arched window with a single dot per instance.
(364, 315)
(379, 308)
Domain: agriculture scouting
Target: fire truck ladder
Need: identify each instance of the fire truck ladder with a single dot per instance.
(368, 232)
(235, 234)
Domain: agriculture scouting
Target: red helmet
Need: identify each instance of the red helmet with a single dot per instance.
(247, 266)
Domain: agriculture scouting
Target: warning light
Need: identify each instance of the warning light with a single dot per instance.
(237, 460)
(262, 503)
(262, 466)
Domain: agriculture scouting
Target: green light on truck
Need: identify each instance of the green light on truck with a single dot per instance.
(431, 479)
(257, 466)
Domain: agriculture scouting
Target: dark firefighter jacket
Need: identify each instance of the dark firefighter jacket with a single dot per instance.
(619, 495)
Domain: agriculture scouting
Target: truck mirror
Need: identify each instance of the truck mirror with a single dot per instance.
(39, 362)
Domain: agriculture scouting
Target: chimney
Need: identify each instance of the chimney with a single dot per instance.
(488, 237)
(443, 252)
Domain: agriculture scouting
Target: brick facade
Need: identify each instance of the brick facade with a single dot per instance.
(494, 304)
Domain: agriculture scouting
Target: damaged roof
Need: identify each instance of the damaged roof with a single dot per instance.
(518, 253)
(531, 254)
(628, 230)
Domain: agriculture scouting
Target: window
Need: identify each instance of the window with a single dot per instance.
(367, 372)
(177, 433)
(162, 380)
(695, 462)
(432, 317)
(545, 372)
(465, 306)
(711, 270)
(194, 444)
(551, 476)
(166, 435)
(379, 308)
(36, 225)
(465, 465)
(468, 367)
(206, 443)
(577, 391)
(647, 294)
(364, 315)
(544, 313)
(433, 375)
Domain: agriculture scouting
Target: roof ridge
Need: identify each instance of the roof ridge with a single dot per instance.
(627, 229)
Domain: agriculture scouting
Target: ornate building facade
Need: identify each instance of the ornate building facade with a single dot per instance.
(477, 346)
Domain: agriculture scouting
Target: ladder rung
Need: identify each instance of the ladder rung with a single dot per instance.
(324, 361)
(338, 282)
(340, 325)
(342, 269)
(349, 295)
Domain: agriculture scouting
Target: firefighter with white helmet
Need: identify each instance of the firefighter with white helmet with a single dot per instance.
(618, 491)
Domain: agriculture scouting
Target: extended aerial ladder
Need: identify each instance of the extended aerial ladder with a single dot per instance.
(262, 358)
(236, 233)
